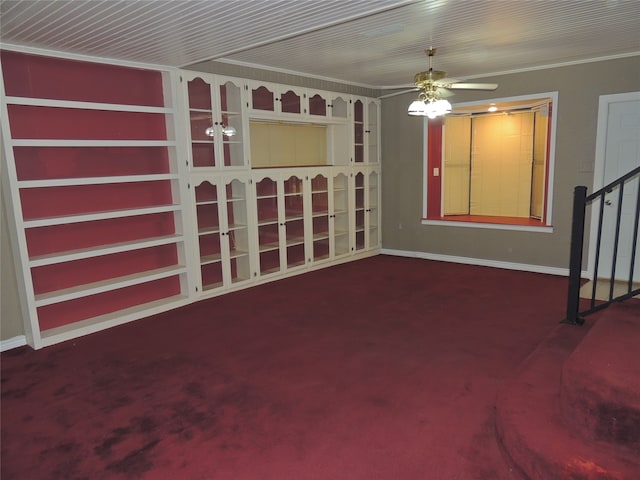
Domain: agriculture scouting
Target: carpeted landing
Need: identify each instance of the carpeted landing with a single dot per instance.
(385, 368)
(573, 409)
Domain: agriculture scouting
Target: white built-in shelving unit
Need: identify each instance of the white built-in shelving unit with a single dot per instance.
(133, 192)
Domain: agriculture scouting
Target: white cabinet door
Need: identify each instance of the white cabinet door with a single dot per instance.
(366, 131)
(267, 99)
(341, 213)
(237, 230)
(320, 216)
(217, 123)
(328, 105)
(282, 230)
(223, 230)
(372, 200)
(372, 132)
(366, 209)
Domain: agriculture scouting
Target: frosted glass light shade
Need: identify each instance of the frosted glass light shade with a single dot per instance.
(430, 109)
(418, 108)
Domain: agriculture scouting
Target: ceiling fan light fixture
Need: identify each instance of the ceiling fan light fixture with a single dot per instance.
(418, 108)
(438, 108)
(429, 108)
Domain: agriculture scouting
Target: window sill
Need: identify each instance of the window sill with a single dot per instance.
(491, 223)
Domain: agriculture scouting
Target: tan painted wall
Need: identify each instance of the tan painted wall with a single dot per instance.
(579, 88)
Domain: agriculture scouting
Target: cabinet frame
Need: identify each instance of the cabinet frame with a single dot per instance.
(280, 104)
(222, 115)
(365, 182)
(365, 114)
(291, 216)
(234, 237)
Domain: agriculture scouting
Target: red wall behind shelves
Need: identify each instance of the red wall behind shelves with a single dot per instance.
(295, 255)
(58, 276)
(199, 94)
(209, 244)
(211, 273)
(64, 313)
(321, 249)
(74, 236)
(268, 233)
(78, 199)
(40, 77)
(321, 224)
(206, 191)
(208, 215)
(37, 76)
(45, 163)
(267, 208)
(57, 123)
(269, 260)
(203, 154)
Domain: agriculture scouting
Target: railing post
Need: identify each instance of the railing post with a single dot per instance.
(575, 259)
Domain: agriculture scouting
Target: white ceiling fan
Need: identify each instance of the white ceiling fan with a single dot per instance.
(433, 87)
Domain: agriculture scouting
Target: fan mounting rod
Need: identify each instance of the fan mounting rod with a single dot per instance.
(425, 80)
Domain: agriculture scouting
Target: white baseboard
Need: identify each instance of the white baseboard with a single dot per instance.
(14, 342)
(564, 272)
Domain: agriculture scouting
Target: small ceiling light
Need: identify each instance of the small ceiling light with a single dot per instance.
(209, 132)
(492, 108)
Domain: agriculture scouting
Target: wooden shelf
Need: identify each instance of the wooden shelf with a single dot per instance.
(66, 182)
(66, 332)
(208, 259)
(267, 221)
(91, 143)
(237, 226)
(88, 217)
(295, 241)
(267, 247)
(106, 285)
(208, 230)
(71, 255)
(117, 107)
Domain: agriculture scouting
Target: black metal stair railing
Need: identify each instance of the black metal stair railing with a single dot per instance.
(581, 201)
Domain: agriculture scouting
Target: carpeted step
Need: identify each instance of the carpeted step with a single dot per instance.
(531, 429)
(600, 396)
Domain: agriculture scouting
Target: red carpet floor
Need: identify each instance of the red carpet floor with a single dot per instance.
(385, 368)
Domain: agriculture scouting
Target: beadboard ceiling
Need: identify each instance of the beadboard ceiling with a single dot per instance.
(368, 42)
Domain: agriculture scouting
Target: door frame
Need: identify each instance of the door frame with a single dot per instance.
(599, 163)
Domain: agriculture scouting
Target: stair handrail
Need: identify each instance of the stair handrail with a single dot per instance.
(580, 202)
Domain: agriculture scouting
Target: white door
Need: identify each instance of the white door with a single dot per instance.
(618, 150)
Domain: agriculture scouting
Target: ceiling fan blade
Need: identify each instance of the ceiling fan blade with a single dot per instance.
(401, 92)
(443, 92)
(472, 86)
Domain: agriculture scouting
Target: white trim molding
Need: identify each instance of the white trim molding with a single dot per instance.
(11, 343)
(482, 262)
